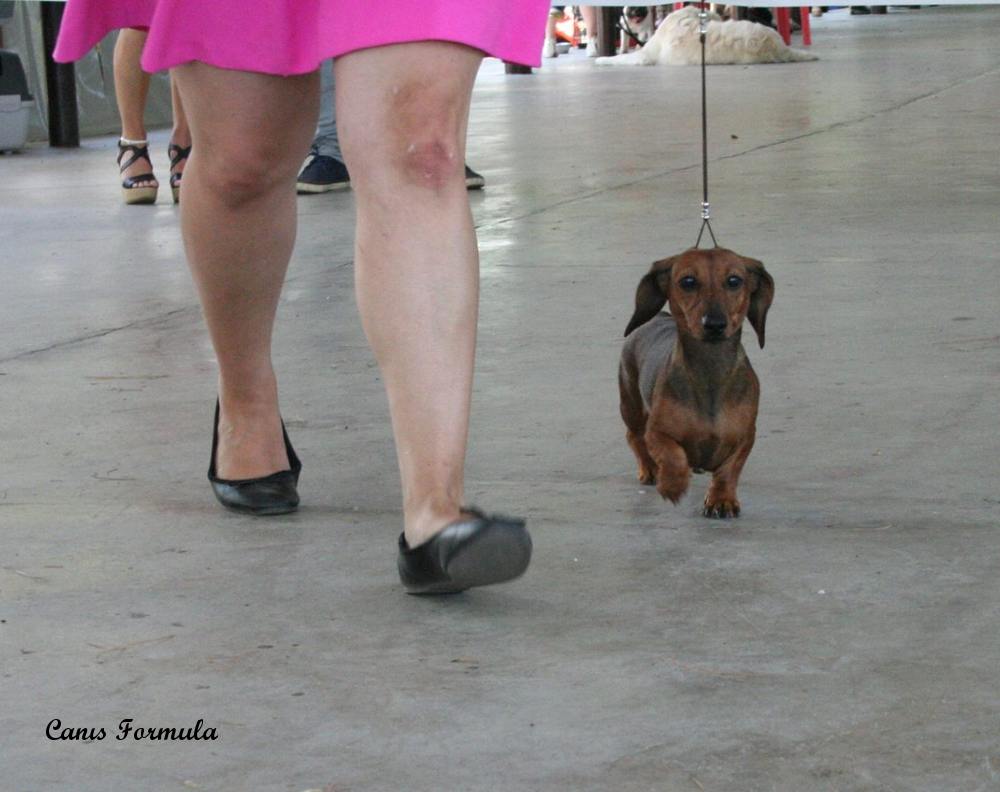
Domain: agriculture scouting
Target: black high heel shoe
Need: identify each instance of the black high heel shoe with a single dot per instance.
(142, 188)
(177, 155)
(474, 551)
(273, 494)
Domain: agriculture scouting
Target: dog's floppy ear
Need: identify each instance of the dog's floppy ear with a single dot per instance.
(761, 295)
(652, 293)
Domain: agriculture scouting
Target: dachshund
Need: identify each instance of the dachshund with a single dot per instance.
(688, 393)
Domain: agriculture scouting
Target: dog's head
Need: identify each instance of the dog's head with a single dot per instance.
(710, 293)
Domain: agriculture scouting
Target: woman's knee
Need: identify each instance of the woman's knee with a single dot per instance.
(241, 168)
(420, 142)
(250, 131)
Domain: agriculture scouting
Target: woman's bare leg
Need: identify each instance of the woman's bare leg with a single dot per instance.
(250, 134)
(589, 14)
(131, 90)
(181, 133)
(131, 83)
(402, 113)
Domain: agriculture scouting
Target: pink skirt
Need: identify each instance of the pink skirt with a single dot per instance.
(294, 36)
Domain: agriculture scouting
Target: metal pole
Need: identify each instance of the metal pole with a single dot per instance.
(60, 83)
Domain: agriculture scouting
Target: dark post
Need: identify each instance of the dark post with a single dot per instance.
(60, 84)
(516, 68)
(606, 29)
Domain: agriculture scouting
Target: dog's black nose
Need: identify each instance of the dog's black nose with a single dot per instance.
(714, 324)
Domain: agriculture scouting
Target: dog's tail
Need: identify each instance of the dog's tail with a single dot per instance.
(634, 58)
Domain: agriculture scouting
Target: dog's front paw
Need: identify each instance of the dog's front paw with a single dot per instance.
(672, 488)
(722, 508)
(646, 476)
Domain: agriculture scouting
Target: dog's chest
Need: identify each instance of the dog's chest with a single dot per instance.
(706, 443)
(709, 445)
(709, 423)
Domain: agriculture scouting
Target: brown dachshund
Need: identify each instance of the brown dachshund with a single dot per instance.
(688, 394)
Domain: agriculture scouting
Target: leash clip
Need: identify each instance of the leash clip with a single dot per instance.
(706, 211)
(703, 20)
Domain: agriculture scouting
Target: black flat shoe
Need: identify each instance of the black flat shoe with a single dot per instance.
(475, 551)
(273, 494)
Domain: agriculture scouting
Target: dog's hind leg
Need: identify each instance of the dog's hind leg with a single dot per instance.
(647, 466)
(633, 412)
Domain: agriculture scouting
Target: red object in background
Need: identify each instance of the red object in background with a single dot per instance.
(567, 29)
(784, 19)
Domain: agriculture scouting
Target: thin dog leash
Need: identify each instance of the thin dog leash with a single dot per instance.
(706, 209)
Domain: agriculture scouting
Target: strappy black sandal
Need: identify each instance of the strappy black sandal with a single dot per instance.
(137, 189)
(476, 550)
(177, 154)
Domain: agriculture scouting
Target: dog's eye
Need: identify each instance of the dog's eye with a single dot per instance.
(734, 281)
(688, 283)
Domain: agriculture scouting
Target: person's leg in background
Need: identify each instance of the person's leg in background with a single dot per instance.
(324, 169)
(180, 140)
(131, 89)
(549, 47)
(238, 218)
(403, 112)
(589, 14)
(131, 83)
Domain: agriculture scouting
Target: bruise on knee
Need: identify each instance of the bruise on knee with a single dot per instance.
(430, 163)
(424, 130)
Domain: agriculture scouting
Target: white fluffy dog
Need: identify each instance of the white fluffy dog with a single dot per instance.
(677, 42)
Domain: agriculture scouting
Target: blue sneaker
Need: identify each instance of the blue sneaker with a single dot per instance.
(322, 174)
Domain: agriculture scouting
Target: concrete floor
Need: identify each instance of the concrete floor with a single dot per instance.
(841, 635)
